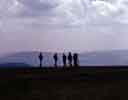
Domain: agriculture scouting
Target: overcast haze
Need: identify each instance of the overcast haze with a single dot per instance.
(63, 25)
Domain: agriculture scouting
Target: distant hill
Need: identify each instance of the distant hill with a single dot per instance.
(117, 57)
(114, 57)
(7, 65)
(30, 58)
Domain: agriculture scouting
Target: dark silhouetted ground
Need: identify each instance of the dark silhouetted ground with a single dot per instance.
(64, 83)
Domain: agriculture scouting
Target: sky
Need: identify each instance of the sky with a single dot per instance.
(63, 25)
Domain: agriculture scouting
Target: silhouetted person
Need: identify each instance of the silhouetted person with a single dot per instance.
(70, 59)
(75, 58)
(64, 60)
(55, 59)
(41, 59)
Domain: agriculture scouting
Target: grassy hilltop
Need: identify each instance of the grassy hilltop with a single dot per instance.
(64, 83)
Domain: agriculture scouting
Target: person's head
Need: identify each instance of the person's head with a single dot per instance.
(75, 54)
(70, 53)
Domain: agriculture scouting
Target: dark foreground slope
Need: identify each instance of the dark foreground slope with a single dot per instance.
(64, 83)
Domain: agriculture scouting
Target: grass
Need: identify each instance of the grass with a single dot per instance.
(94, 83)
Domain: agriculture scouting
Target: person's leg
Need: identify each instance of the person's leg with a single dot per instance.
(56, 63)
(40, 63)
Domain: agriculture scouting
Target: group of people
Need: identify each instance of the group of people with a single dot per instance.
(72, 59)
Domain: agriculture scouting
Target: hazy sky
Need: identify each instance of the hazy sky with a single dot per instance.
(63, 25)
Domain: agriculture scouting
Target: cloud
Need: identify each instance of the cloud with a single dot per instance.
(97, 22)
(65, 12)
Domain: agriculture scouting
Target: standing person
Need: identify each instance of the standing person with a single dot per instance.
(41, 59)
(64, 60)
(75, 58)
(70, 59)
(55, 59)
